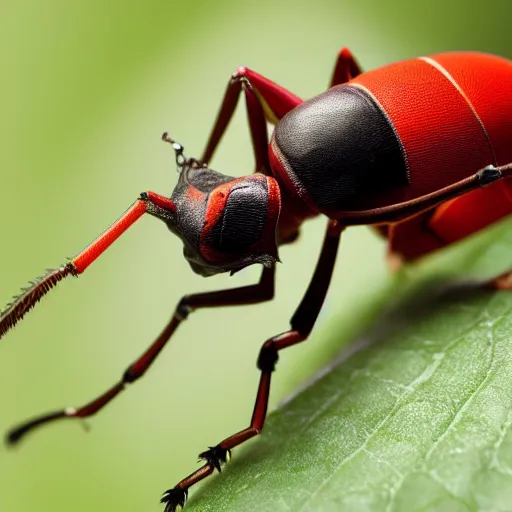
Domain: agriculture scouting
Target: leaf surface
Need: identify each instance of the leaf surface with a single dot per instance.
(416, 418)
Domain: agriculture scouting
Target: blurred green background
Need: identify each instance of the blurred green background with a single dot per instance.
(87, 89)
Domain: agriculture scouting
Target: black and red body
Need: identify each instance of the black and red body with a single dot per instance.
(397, 133)
(420, 149)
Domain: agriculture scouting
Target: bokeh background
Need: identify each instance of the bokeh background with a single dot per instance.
(86, 90)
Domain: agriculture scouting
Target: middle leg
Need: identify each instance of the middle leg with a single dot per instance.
(302, 324)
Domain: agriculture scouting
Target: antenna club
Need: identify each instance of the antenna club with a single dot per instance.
(166, 138)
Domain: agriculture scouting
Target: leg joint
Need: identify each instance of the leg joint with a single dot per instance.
(131, 375)
(183, 309)
(241, 78)
(488, 175)
(268, 357)
(241, 72)
(303, 326)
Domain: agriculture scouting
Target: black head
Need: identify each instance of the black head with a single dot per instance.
(225, 223)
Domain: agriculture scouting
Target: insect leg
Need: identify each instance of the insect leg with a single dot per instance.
(302, 323)
(400, 211)
(148, 202)
(260, 292)
(266, 101)
(411, 239)
(440, 226)
(346, 68)
(501, 282)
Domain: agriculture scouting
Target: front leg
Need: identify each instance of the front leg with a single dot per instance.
(260, 292)
(302, 324)
(265, 101)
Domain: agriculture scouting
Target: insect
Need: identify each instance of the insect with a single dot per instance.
(419, 149)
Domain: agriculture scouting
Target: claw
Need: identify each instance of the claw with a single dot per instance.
(174, 498)
(215, 456)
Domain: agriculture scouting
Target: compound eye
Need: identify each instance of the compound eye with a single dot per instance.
(242, 222)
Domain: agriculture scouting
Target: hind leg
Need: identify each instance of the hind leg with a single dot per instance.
(448, 223)
(345, 69)
(501, 282)
(409, 240)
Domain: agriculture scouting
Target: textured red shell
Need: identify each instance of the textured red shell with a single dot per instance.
(453, 115)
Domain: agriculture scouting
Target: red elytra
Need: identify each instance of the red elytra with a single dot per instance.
(420, 149)
(463, 104)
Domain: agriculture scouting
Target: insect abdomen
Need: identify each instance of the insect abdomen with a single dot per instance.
(452, 113)
(398, 132)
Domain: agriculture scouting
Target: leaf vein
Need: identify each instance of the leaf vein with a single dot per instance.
(422, 378)
(467, 402)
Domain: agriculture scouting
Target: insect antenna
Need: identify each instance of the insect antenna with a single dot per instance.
(181, 160)
(30, 296)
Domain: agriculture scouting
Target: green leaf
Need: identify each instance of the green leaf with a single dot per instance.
(415, 418)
